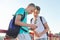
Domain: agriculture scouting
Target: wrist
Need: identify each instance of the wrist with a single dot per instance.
(28, 25)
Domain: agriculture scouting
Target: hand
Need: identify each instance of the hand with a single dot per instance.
(38, 34)
(33, 26)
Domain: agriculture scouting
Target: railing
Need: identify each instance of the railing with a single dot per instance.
(3, 31)
(50, 36)
(53, 37)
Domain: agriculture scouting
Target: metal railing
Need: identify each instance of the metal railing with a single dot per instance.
(50, 35)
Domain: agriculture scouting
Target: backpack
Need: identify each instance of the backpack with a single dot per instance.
(42, 23)
(13, 29)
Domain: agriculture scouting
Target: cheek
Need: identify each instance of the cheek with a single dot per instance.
(35, 14)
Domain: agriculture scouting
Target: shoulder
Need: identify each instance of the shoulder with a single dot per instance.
(21, 9)
(42, 17)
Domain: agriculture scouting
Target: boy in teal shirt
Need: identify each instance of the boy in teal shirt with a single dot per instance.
(19, 14)
(21, 11)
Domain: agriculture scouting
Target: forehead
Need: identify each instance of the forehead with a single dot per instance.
(32, 7)
(36, 10)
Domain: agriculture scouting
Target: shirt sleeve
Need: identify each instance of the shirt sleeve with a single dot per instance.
(20, 11)
(44, 21)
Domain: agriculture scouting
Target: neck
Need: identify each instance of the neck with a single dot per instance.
(35, 18)
(26, 9)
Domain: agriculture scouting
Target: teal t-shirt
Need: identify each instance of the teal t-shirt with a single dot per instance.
(21, 11)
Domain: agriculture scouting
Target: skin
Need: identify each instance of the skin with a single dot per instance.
(36, 12)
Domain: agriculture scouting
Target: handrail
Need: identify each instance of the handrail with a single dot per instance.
(3, 31)
(50, 36)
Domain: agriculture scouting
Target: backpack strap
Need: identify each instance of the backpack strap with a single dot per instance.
(22, 20)
(43, 24)
(42, 21)
(31, 20)
(14, 16)
(23, 17)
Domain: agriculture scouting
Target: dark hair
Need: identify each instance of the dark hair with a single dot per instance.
(32, 4)
(38, 8)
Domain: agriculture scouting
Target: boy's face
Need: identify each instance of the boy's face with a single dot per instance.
(36, 12)
(31, 9)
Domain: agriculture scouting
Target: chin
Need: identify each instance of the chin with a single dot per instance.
(35, 16)
(30, 13)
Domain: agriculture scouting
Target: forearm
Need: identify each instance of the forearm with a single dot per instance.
(40, 33)
(36, 34)
(21, 23)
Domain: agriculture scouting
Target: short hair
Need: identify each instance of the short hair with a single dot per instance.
(32, 4)
(38, 8)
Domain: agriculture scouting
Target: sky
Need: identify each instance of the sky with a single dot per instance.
(50, 10)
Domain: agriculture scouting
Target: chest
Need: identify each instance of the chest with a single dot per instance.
(39, 24)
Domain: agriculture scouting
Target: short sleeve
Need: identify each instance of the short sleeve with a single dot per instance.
(44, 21)
(20, 11)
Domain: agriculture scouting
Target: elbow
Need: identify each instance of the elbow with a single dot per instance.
(47, 29)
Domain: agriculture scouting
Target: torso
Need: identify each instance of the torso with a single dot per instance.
(40, 27)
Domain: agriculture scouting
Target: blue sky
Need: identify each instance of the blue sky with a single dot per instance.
(50, 9)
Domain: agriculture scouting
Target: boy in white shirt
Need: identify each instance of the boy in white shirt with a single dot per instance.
(42, 27)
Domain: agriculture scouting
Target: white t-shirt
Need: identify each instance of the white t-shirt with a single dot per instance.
(40, 27)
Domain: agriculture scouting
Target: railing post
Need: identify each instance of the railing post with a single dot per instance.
(51, 36)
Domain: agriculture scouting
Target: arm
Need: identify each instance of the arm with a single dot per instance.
(18, 22)
(46, 27)
(36, 34)
(45, 30)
